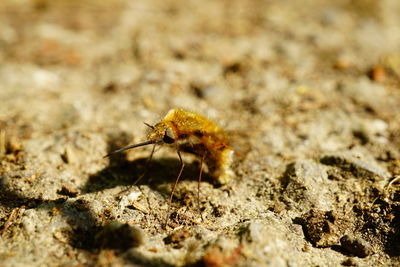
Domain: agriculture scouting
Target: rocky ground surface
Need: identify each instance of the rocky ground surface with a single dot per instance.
(309, 92)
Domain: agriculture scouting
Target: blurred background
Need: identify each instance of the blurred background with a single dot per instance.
(289, 80)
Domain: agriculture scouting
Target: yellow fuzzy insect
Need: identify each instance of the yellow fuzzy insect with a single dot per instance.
(192, 133)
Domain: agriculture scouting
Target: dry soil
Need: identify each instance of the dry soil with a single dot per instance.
(307, 90)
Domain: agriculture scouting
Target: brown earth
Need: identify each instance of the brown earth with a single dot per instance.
(308, 90)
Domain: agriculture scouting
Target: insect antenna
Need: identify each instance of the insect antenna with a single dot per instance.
(149, 125)
(129, 147)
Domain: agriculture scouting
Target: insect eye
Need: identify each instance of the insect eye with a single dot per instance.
(169, 136)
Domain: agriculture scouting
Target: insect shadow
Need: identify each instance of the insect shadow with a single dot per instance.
(160, 170)
(85, 224)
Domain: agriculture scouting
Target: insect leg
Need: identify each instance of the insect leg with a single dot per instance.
(198, 187)
(173, 188)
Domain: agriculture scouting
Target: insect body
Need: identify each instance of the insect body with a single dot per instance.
(192, 133)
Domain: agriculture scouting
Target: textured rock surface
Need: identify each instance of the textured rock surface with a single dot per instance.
(308, 90)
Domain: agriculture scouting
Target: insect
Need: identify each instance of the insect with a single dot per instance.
(191, 133)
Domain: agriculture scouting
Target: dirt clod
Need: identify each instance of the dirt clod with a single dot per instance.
(323, 229)
(356, 246)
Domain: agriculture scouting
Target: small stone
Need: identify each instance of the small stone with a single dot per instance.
(69, 156)
(306, 184)
(129, 199)
(133, 196)
(376, 127)
(255, 232)
(377, 73)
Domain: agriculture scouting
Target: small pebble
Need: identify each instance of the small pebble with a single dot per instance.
(69, 156)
